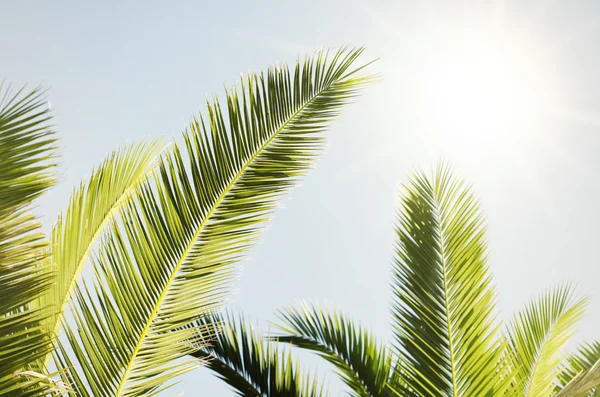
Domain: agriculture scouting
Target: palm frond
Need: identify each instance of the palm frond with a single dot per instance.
(172, 255)
(443, 308)
(363, 363)
(91, 207)
(580, 364)
(583, 384)
(27, 154)
(250, 364)
(538, 335)
(27, 148)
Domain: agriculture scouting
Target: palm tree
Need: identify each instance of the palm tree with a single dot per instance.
(448, 340)
(162, 229)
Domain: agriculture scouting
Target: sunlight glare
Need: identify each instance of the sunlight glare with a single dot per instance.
(483, 89)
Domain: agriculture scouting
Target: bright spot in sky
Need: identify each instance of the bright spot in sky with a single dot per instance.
(482, 90)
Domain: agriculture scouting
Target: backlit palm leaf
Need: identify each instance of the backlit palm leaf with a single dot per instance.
(580, 365)
(364, 364)
(538, 335)
(584, 384)
(251, 365)
(171, 257)
(27, 151)
(443, 310)
(92, 206)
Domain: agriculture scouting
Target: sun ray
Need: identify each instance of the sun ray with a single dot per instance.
(482, 85)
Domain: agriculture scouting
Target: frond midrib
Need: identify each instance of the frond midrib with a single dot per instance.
(201, 227)
(535, 365)
(538, 358)
(443, 258)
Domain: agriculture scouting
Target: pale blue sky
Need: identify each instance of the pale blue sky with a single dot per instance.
(122, 71)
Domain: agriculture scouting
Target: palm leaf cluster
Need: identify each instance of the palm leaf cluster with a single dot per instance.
(448, 340)
(27, 162)
(161, 229)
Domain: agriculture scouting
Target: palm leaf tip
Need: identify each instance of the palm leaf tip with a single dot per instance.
(444, 302)
(174, 248)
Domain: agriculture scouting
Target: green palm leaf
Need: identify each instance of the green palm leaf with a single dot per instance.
(27, 148)
(27, 154)
(91, 207)
(363, 363)
(172, 255)
(443, 310)
(583, 384)
(580, 365)
(250, 365)
(538, 335)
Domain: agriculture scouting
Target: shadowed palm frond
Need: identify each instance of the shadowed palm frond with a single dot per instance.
(538, 335)
(363, 363)
(27, 148)
(580, 365)
(444, 302)
(251, 365)
(27, 154)
(171, 255)
(92, 206)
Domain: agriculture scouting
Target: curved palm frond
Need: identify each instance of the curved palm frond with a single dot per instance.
(363, 363)
(443, 308)
(251, 365)
(538, 335)
(580, 366)
(27, 154)
(91, 207)
(171, 257)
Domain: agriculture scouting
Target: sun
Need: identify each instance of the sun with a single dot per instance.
(483, 89)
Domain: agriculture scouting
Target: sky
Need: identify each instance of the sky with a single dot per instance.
(506, 91)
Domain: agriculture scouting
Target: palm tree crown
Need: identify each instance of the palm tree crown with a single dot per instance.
(448, 340)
